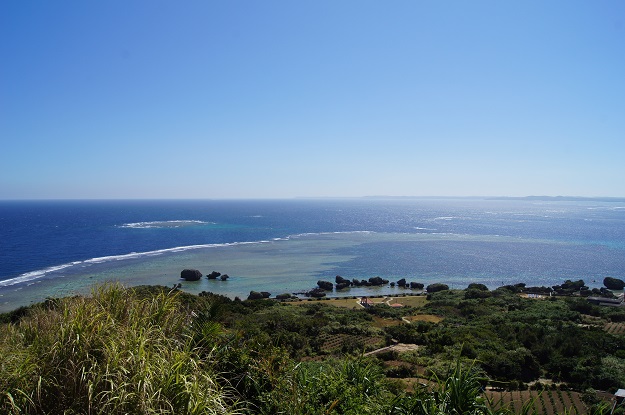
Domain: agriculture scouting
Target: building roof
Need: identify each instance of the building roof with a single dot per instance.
(606, 300)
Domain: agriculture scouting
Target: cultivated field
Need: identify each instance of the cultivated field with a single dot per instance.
(335, 342)
(548, 402)
(380, 322)
(615, 328)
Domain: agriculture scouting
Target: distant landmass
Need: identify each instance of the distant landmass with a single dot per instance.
(562, 198)
(538, 198)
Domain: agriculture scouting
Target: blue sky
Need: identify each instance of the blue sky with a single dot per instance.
(270, 99)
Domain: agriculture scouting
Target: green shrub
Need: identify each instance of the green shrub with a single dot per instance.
(112, 353)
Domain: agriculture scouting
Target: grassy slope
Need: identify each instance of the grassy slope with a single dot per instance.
(148, 351)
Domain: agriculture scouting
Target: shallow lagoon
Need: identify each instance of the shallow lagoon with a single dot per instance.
(295, 264)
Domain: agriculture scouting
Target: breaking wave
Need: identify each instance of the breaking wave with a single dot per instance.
(34, 275)
(164, 224)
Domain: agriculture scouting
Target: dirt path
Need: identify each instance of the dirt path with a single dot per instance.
(399, 347)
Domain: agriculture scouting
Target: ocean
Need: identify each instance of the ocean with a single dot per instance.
(58, 248)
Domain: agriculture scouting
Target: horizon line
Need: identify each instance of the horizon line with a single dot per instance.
(484, 197)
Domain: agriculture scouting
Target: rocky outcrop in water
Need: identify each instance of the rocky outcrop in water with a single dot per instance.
(325, 285)
(316, 293)
(213, 275)
(613, 283)
(377, 281)
(340, 280)
(432, 288)
(190, 274)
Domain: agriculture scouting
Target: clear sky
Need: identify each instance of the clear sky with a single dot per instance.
(249, 99)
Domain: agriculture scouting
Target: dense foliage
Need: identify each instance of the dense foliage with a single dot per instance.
(152, 350)
(520, 339)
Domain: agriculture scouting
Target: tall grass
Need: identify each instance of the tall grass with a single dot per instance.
(352, 386)
(459, 392)
(110, 353)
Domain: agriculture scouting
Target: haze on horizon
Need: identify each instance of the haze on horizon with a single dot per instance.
(278, 99)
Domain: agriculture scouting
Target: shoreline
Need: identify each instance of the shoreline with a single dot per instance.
(359, 293)
(295, 263)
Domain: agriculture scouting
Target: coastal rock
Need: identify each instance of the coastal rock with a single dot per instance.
(213, 275)
(343, 285)
(285, 296)
(432, 288)
(255, 295)
(190, 274)
(613, 283)
(402, 283)
(316, 293)
(416, 285)
(224, 277)
(326, 285)
(341, 280)
(376, 281)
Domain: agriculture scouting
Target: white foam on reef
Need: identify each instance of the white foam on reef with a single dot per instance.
(164, 224)
(303, 235)
(34, 275)
(445, 218)
(300, 235)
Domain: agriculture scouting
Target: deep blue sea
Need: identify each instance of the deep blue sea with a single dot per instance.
(50, 248)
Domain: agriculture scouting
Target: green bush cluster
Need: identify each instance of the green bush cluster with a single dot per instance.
(152, 350)
(521, 339)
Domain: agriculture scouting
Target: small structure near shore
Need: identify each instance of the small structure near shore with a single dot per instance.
(608, 302)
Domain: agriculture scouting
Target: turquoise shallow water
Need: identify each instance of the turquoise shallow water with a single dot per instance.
(295, 264)
(64, 247)
(278, 266)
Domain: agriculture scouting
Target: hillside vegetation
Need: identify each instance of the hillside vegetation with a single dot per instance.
(151, 350)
